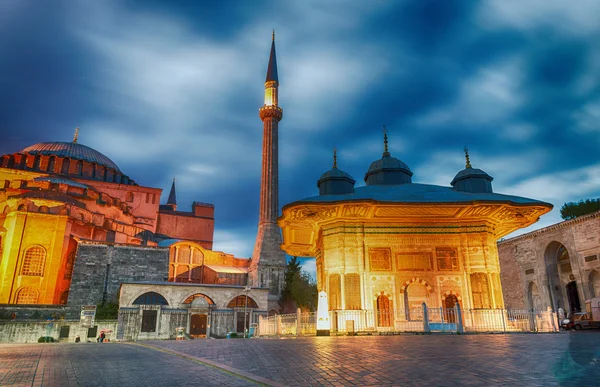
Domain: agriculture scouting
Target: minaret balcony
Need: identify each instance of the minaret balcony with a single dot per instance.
(270, 111)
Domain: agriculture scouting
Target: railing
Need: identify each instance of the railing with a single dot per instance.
(412, 320)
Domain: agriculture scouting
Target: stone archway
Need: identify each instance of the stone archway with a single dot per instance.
(555, 285)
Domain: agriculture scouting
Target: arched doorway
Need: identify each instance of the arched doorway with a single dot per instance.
(198, 325)
(594, 284)
(449, 304)
(558, 270)
(383, 311)
(415, 295)
(573, 297)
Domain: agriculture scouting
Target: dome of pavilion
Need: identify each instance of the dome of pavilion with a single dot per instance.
(472, 179)
(335, 181)
(388, 170)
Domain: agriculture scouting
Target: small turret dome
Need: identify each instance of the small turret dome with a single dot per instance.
(472, 179)
(335, 181)
(388, 170)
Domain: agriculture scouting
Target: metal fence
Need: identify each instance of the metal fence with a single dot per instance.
(412, 320)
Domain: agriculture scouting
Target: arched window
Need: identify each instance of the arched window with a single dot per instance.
(150, 298)
(383, 311)
(43, 209)
(100, 173)
(480, 291)
(64, 297)
(109, 175)
(66, 164)
(129, 197)
(69, 266)
(79, 170)
(240, 302)
(36, 162)
(594, 283)
(27, 295)
(2, 159)
(22, 207)
(33, 263)
(51, 162)
(11, 162)
(199, 299)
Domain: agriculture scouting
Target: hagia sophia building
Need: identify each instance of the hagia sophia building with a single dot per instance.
(76, 230)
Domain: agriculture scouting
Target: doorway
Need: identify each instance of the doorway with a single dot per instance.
(573, 297)
(449, 311)
(198, 325)
(383, 311)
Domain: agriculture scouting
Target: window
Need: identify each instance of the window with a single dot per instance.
(480, 290)
(335, 292)
(64, 331)
(27, 295)
(11, 162)
(240, 302)
(66, 164)
(36, 162)
(149, 320)
(129, 197)
(150, 298)
(69, 266)
(79, 168)
(33, 263)
(51, 162)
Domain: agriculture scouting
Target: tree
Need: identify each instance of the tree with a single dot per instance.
(572, 210)
(299, 289)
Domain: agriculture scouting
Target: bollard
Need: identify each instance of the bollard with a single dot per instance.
(425, 319)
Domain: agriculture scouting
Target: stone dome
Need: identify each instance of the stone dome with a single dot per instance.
(71, 150)
(472, 180)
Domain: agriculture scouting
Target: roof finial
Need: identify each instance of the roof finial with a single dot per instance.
(273, 34)
(467, 157)
(385, 142)
(334, 157)
(76, 135)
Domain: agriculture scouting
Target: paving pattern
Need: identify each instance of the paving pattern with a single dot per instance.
(567, 358)
(108, 364)
(564, 359)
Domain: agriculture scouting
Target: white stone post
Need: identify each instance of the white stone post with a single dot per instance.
(425, 319)
(298, 321)
(459, 323)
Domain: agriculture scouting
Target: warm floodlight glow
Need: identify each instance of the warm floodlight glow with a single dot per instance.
(323, 323)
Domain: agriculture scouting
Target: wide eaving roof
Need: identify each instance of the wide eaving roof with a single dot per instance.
(71, 150)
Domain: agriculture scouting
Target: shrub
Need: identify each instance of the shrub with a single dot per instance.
(46, 339)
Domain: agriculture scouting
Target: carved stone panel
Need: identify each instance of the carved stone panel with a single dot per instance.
(380, 259)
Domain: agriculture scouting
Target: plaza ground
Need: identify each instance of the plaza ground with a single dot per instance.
(563, 359)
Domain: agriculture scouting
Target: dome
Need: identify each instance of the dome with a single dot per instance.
(335, 181)
(472, 179)
(71, 150)
(388, 171)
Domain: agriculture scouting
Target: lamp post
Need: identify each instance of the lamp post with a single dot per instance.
(246, 290)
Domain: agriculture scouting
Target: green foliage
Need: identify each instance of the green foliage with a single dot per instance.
(299, 289)
(108, 311)
(46, 339)
(572, 210)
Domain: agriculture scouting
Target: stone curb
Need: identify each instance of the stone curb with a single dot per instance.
(209, 363)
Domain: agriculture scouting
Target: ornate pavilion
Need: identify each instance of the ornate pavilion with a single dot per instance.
(391, 245)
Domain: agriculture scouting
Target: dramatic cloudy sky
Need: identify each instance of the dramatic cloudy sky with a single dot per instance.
(172, 88)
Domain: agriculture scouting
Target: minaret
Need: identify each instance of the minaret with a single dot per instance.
(268, 260)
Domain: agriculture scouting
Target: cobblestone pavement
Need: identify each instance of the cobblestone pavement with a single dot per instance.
(564, 359)
(108, 364)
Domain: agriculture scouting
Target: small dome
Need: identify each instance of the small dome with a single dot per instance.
(388, 171)
(472, 180)
(71, 150)
(335, 181)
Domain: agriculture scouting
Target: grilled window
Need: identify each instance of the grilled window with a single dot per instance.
(33, 264)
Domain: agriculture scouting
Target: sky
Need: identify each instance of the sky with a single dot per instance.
(172, 89)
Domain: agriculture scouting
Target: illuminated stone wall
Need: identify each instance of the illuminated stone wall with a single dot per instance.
(408, 264)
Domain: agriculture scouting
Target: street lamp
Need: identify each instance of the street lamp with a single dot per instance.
(246, 289)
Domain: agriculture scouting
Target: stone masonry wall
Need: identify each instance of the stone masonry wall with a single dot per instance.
(100, 266)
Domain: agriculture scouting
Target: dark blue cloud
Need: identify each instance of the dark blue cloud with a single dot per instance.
(173, 88)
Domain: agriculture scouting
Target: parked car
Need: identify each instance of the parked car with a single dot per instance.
(579, 321)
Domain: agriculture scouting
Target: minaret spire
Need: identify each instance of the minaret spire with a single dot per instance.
(172, 201)
(467, 157)
(268, 260)
(76, 135)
